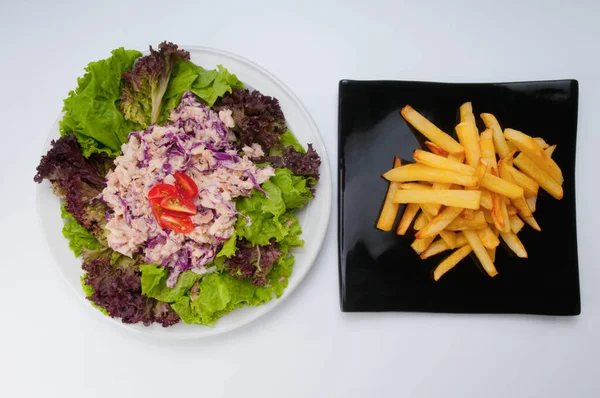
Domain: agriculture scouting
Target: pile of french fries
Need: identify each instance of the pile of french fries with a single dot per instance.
(465, 195)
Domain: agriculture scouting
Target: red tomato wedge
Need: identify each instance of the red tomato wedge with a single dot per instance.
(162, 190)
(157, 210)
(178, 204)
(185, 185)
(177, 222)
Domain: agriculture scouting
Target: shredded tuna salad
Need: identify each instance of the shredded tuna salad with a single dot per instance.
(196, 141)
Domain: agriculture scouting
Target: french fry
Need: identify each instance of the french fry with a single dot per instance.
(480, 251)
(430, 208)
(415, 185)
(419, 172)
(532, 150)
(531, 202)
(420, 245)
(521, 206)
(488, 181)
(516, 224)
(500, 143)
(410, 211)
(468, 136)
(461, 224)
(532, 170)
(550, 150)
(480, 172)
(389, 209)
(434, 148)
(500, 212)
(488, 238)
(437, 247)
(492, 254)
(457, 157)
(437, 224)
(440, 246)
(512, 241)
(498, 185)
(511, 210)
(438, 186)
(508, 159)
(486, 199)
(455, 198)
(540, 141)
(440, 162)
(487, 214)
(448, 236)
(532, 223)
(509, 173)
(450, 262)
(486, 145)
(420, 222)
(468, 214)
(430, 130)
(466, 113)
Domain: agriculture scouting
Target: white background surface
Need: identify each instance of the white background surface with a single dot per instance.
(53, 345)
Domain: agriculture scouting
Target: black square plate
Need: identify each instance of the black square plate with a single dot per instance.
(380, 272)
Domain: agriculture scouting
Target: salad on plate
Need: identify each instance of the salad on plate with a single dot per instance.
(179, 188)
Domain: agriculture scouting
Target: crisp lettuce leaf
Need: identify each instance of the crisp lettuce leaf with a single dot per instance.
(91, 112)
(78, 236)
(284, 191)
(209, 85)
(288, 139)
(219, 294)
(223, 82)
(294, 189)
(154, 283)
(229, 247)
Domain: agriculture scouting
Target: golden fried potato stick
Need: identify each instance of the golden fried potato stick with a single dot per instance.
(532, 170)
(430, 130)
(410, 211)
(419, 172)
(451, 261)
(441, 221)
(434, 148)
(466, 113)
(509, 173)
(448, 236)
(420, 245)
(532, 150)
(486, 145)
(480, 251)
(550, 150)
(456, 198)
(516, 224)
(514, 243)
(488, 238)
(500, 143)
(389, 209)
(440, 246)
(531, 202)
(468, 136)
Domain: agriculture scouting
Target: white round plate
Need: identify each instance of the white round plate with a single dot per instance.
(313, 218)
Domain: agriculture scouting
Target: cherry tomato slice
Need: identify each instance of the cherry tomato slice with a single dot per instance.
(162, 190)
(178, 204)
(185, 185)
(177, 222)
(157, 210)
